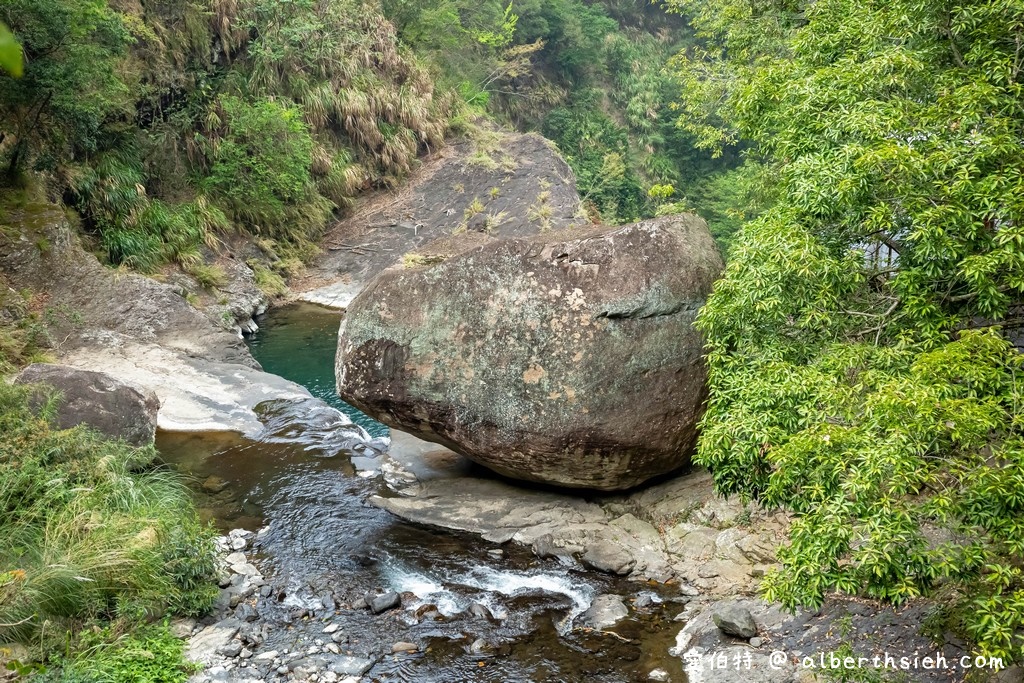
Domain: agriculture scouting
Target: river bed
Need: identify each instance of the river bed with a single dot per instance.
(304, 484)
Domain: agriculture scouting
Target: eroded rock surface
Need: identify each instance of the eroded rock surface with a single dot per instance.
(727, 547)
(570, 360)
(132, 327)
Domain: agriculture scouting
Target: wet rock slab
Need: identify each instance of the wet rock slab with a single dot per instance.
(678, 529)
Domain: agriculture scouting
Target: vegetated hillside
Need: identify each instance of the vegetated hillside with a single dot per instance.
(592, 77)
(165, 122)
(862, 342)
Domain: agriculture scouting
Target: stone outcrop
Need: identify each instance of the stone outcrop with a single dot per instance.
(501, 184)
(135, 328)
(726, 546)
(108, 405)
(568, 359)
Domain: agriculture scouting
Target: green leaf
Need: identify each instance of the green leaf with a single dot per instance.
(10, 52)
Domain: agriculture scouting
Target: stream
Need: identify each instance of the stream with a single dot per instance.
(304, 483)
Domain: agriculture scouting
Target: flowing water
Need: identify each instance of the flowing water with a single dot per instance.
(304, 483)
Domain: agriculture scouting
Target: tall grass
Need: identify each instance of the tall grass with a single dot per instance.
(89, 531)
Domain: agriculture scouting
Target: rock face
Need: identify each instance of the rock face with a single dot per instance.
(96, 399)
(515, 185)
(569, 359)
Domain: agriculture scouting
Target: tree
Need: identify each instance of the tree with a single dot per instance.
(70, 87)
(861, 371)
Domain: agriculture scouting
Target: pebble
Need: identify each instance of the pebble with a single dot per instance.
(658, 675)
(404, 647)
(232, 649)
(267, 656)
(755, 642)
(333, 648)
(331, 628)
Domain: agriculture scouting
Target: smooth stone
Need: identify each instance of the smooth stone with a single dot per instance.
(605, 612)
(236, 558)
(480, 611)
(402, 646)
(230, 650)
(203, 646)
(608, 557)
(351, 666)
(384, 602)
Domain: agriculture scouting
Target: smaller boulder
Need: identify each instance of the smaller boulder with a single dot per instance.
(606, 556)
(108, 405)
(605, 612)
(383, 602)
(480, 611)
(735, 621)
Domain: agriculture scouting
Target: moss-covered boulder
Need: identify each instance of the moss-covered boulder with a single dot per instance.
(567, 359)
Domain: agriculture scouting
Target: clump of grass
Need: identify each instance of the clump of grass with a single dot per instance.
(209, 276)
(540, 211)
(473, 208)
(90, 532)
(495, 219)
(269, 282)
(412, 260)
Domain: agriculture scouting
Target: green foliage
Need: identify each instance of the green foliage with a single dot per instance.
(596, 148)
(260, 164)
(90, 531)
(208, 276)
(165, 128)
(269, 282)
(150, 654)
(70, 87)
(590, 76)
(858, 372)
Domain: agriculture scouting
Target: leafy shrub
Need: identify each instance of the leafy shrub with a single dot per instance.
(260, 161)
(150, 654)
(860, 373)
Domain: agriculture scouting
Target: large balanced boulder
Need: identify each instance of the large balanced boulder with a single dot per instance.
(108, 405)
(568, 359)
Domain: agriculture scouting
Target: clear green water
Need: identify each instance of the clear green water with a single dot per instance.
(298, 342)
